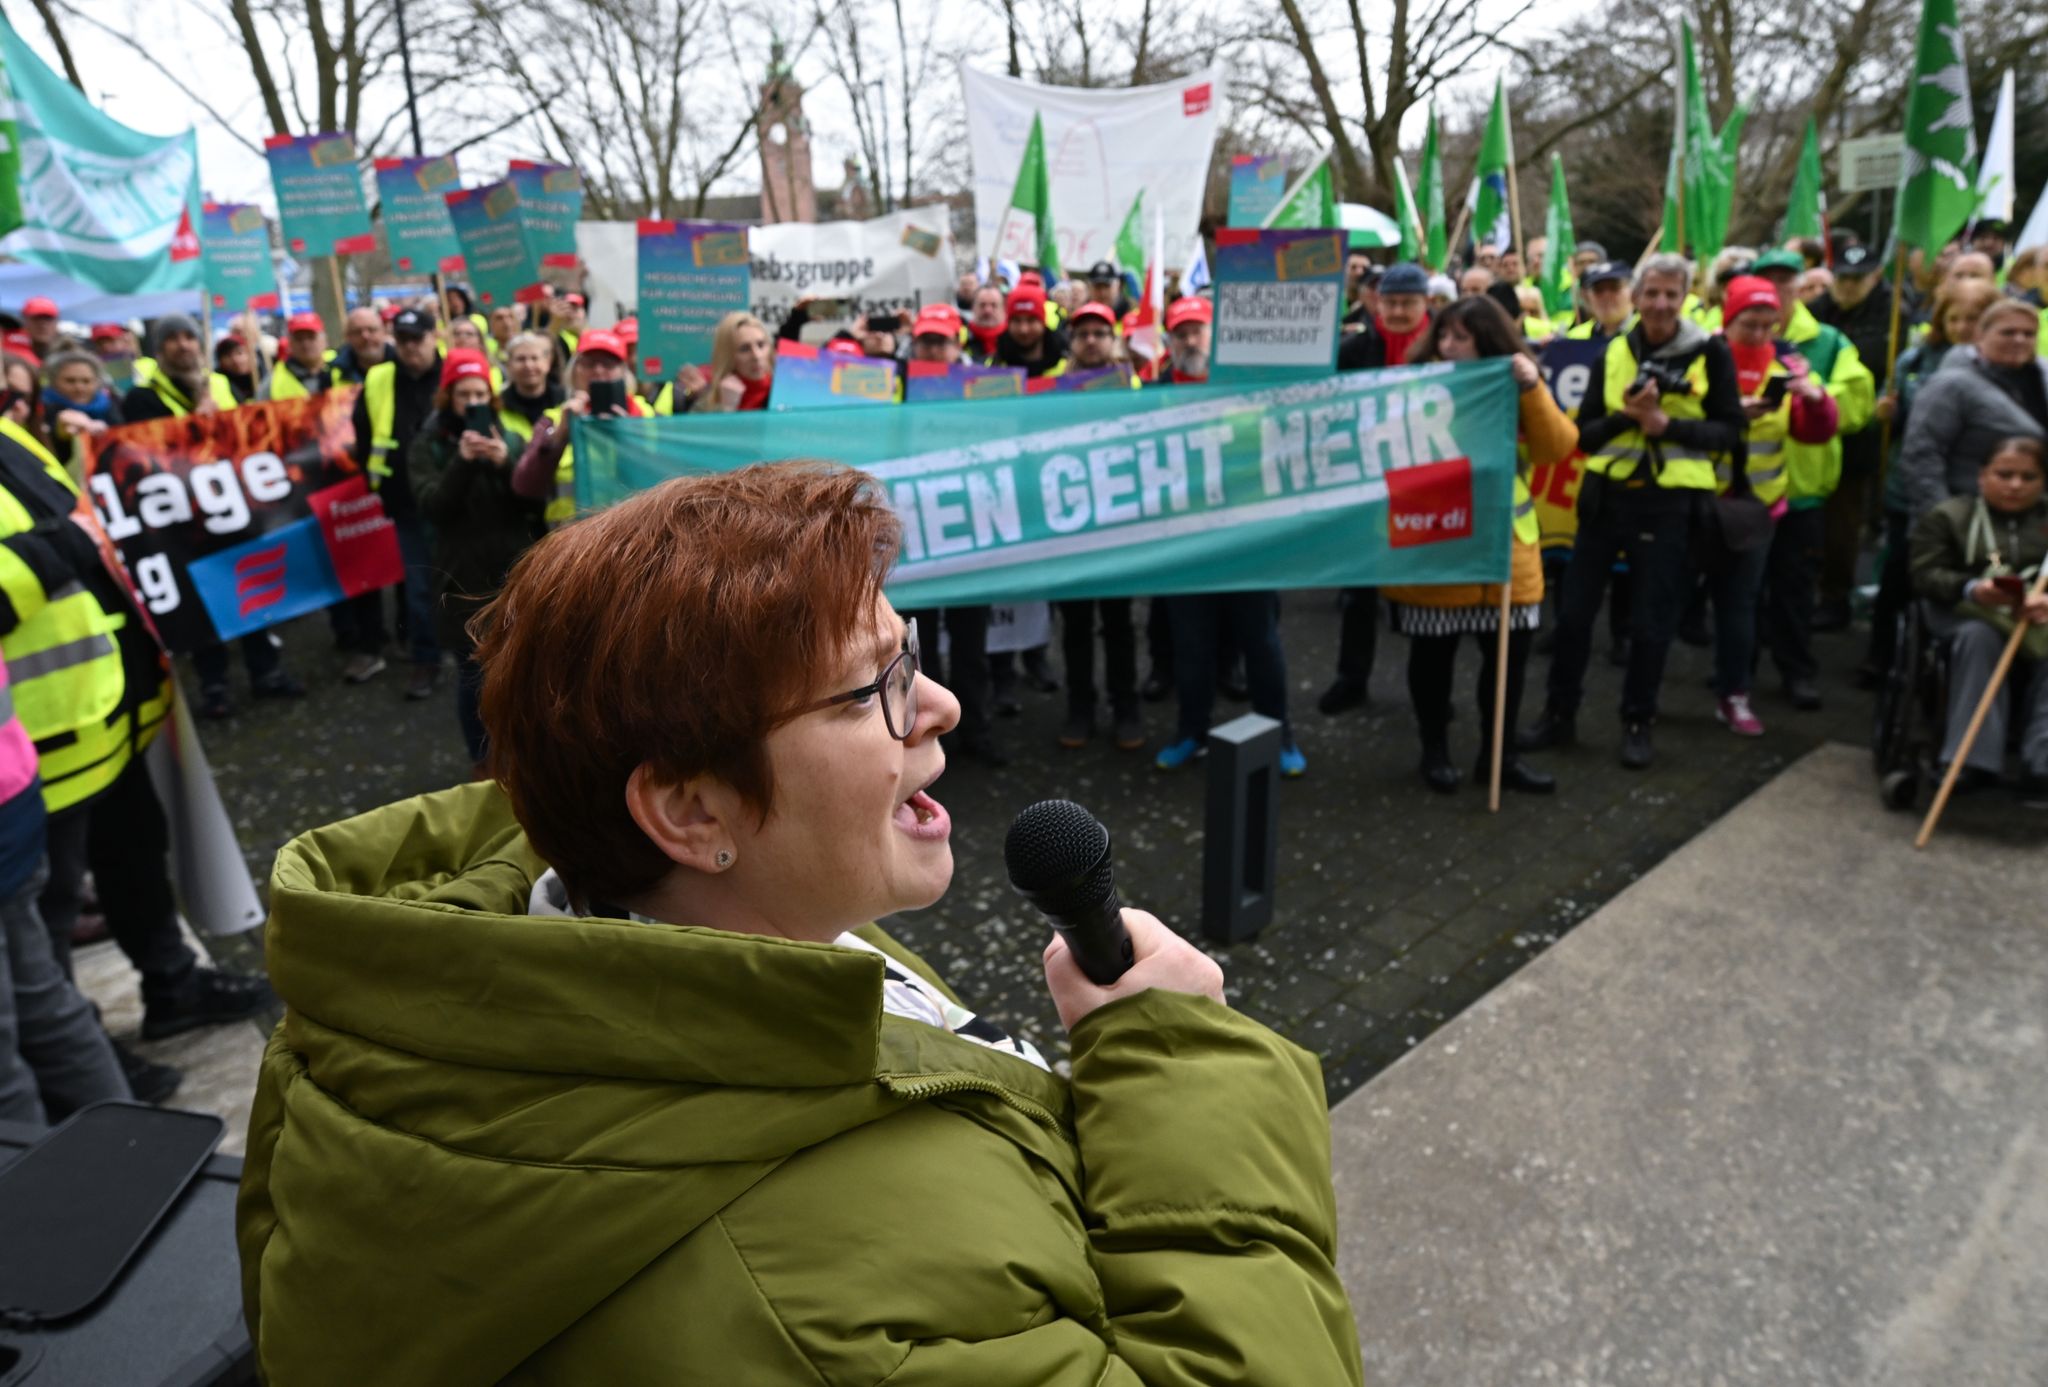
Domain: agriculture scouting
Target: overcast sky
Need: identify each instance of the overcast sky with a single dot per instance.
(132, 91)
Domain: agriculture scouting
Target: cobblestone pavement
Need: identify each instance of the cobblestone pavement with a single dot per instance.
(1396, 907)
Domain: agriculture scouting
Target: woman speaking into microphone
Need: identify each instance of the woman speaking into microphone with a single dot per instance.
(601, 1072)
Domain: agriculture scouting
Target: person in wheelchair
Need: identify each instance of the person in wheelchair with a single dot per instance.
(1973, 559)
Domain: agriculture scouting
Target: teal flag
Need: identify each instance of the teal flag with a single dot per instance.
(82, 194)
(1366, 477)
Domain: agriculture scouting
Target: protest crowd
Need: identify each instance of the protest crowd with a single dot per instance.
(1736, 451)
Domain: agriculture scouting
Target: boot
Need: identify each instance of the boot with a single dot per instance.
(1437, 771)
(1551, 729)
(1515, 774)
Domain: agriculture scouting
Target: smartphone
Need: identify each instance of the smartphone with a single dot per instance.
(76, 1205)
(1774, 390)
(885, 322)
(606, 396)
(479, 419)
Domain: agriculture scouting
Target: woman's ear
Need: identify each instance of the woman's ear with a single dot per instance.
(691, 821)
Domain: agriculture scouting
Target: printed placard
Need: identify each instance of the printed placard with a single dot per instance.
(412, 196)
(1279, 300)
(319, 194)
(691, 275)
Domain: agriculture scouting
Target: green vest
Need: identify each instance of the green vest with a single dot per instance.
(1618, 458)
(148, 373)
(65, 665)
(1813, 470)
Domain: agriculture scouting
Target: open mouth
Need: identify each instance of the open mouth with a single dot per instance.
(923, 817)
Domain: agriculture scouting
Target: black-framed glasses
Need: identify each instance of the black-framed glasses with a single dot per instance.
(897, 685)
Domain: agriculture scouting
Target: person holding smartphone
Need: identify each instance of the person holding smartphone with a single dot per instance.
(600, 385)
(461, 464)
(1783, 403)
(1975, 559)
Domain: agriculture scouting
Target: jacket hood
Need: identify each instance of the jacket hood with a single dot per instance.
(533, 1107)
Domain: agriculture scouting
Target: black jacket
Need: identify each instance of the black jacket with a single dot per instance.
(1868, 325)
(1053, 350)
(1721, 431)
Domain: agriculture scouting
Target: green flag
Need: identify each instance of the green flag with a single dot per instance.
(1804, 214)
(1699, 186)
(1492, 220)
(1311, 204)
(1130, 238)
(1937, 183)
(1405, 214)
(1555, 280)
(1436, 249)
(82, 194)
(1026, 233)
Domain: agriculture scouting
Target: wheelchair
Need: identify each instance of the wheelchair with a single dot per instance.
(1912, 711)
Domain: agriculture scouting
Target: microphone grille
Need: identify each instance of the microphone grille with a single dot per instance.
(1052, 842)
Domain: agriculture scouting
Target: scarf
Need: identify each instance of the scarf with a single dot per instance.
(100, 407)
(1398, 343)
(755, 393)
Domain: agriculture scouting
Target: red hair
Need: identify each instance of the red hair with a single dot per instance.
(676, 630)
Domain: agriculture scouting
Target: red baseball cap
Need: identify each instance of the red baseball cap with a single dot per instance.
(1748, 291)
(843, 346)
(576, 299)
(1102, 312)
(628, 331)
(39, 307)
(17, 343)
(388, 311)
(298, 322)
(1191, 309)
(938, 320)
(107, 332)
(1027, 299)
(464, 363)
(602, 340)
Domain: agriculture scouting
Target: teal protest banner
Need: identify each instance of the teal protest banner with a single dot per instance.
(691, 275)
(412, 196)
(486, 221)
(1279, 302)
(84, 195)
(550, 204)
(320, 194)
(235, 240)
(1368, 477)
(1257, 183)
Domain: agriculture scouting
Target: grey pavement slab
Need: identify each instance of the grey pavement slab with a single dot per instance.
(1777, 1113)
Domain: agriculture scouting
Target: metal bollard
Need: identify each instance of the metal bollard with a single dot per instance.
(1241, 829)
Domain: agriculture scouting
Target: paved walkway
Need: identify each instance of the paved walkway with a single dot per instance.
(1776, 1114)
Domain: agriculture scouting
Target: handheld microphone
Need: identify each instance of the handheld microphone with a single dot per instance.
(1057, 855)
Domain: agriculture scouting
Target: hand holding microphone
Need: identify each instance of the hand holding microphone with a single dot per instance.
(1057, 855)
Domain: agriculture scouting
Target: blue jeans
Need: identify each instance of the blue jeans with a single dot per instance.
(362, 628)
(1252, 623)
(1733, 592)
(54, 1058)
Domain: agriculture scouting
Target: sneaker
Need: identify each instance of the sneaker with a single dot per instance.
(361, 669)
(1077, 729)
(211, 996)
(1735, 714)
(1177, 754)
(278, 685)
(148, 1081)
(214, 704)
(1635, 745)
(425, 679)
(1341, 697)
(1293, 765)
(1129, 730)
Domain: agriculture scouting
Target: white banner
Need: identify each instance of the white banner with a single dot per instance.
(208, 872)
(1101, 146)
(897, 263)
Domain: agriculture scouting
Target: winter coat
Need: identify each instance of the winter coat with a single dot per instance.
(492, 1146)
(1958, 418)
(479, 525)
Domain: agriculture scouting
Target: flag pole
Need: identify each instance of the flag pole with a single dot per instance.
(1997, 681)
(1891, 361)
(1500, 681)
(1514, 210)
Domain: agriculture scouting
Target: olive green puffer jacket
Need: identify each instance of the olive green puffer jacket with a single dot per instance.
(489, 1146)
